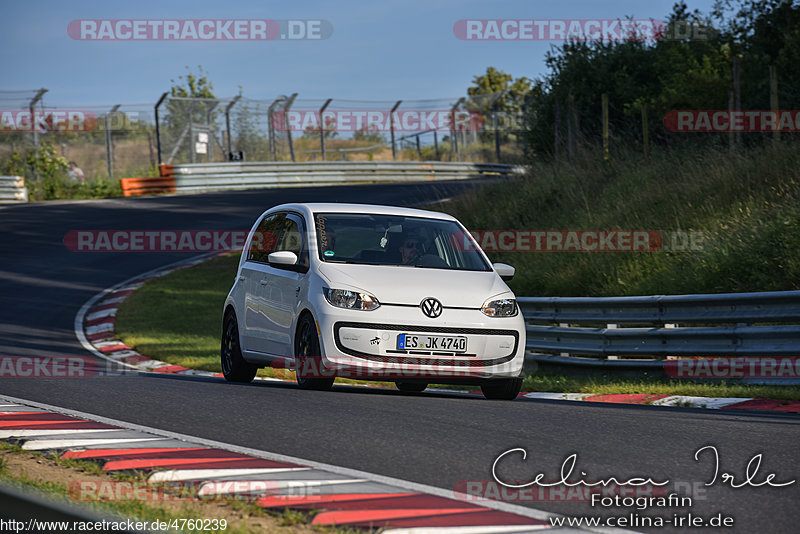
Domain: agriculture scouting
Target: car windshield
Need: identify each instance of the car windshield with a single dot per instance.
(371, 239)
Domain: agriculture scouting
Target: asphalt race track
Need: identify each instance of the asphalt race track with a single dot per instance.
(434, 438)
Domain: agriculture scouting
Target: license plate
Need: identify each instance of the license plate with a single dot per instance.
(425, 342)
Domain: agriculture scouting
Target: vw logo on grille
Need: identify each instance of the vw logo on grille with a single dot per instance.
(431, 307)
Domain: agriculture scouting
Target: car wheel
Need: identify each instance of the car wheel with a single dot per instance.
(502, 389)
(410, 387)
(309, 359)
(234, 367)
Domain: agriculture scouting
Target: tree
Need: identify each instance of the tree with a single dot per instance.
(510, 95)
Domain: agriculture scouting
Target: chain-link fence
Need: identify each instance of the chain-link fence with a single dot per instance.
(289, 128)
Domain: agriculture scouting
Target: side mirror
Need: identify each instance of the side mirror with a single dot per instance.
(282, 258)
(505, 271)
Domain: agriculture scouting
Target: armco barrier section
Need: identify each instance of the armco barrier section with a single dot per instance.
(202, 177)
(132, 187)
(12, 189)
(731, 324)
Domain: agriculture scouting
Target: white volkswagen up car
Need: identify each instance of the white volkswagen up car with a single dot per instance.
(374, 293)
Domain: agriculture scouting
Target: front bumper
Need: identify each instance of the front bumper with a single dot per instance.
(363, 344)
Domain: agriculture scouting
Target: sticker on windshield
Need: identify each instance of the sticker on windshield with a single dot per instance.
(328, 253)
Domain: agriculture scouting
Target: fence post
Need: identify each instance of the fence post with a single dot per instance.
(158, 130)
(391, 127)
(286, 108)
(35, 128)
(271, 125)
(730, 114)
(557, 130)
(322, 127)
(109, 148)
(645, 132)
(454, 142)
(435, 146)
(228, 124)
(570, 128)
(773, 100)
(737, 94)
(496, 126)
(605, 126)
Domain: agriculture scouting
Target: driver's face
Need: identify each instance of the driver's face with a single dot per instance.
(409, 250)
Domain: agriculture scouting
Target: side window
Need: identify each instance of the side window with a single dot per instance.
(292, 238)
(265, 237)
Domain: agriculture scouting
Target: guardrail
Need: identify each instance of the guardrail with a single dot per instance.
(731, 324)
(12, 189)
(202, 177)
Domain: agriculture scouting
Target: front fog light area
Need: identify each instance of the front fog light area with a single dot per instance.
(352, 300)
(500, 308)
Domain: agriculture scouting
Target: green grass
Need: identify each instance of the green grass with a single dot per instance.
(747, 204)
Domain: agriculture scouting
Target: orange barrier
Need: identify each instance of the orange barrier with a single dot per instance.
(132, 187)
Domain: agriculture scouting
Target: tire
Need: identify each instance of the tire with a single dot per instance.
(308, 357)
(502, 389)
(234, 367)
(411, 387)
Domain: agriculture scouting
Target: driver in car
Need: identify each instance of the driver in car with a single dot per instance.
(410, 251)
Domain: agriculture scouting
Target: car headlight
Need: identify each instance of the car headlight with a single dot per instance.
(500, 308)
(353, 300)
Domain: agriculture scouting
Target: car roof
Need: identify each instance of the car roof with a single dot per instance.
(337, 207)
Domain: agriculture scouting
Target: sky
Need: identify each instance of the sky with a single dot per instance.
(379, 50)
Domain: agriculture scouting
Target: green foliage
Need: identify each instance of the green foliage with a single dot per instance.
(46, 178)
(672, 73)
(495, 81)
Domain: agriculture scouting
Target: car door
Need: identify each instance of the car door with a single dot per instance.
(286, 284)
(256, 273)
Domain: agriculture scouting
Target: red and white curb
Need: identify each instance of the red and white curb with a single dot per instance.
(337, 496)
(95, 324)
(94, 327)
